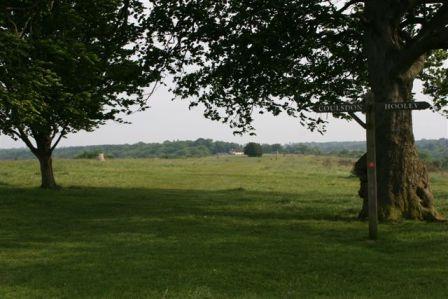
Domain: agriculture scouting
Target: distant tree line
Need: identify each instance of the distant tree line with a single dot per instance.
(168, 149)
(434, 152)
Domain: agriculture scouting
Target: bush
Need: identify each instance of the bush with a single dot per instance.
(253, 149)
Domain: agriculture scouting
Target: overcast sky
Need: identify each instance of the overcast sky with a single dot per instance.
(168, 120)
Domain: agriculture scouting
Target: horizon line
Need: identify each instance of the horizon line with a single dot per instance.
(214, 140)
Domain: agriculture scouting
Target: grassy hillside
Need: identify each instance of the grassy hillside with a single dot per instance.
(228, 227)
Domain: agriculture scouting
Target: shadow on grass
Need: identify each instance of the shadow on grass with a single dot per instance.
(112, 242)
(234, 203)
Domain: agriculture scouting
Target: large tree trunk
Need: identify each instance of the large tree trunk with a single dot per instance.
(403, 183)
(44, 155)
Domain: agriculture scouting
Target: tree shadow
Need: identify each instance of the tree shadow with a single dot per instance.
(238, 202)
(114, 242)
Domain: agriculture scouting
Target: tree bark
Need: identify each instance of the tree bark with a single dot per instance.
(403, 184)
(46, 170)
(44, 155)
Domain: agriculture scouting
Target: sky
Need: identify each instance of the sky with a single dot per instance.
(172, 120)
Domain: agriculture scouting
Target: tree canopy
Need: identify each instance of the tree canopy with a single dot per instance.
(237, 58)
(241, 57)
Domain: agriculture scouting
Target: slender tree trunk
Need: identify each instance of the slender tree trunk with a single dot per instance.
(44, 155)
(46, 170)
(403, 183)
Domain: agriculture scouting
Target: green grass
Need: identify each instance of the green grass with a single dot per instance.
(209, 228)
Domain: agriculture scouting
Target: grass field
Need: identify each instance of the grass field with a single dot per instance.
(231, 227)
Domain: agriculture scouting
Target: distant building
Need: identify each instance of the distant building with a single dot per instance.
(101, 157)
(236, 153)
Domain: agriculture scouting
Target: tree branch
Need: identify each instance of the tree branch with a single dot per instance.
(63, 133)
(433, 1)
(33, 13)
(358, 120)
(123, 15)
(414, 3)
(348, 4)
(27, 141)
(431, 36)
(437, 22)
(14, 132)
(16, 29)
(442, 38)
(413, 21)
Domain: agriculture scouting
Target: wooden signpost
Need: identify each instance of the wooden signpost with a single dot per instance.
(371, 108)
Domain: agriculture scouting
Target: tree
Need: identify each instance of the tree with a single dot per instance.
(237, 57)
(253, 149)
(66, 66)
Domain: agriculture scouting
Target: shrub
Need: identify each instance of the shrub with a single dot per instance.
(253, 149)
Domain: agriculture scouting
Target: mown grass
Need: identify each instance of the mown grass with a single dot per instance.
(228, 227)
